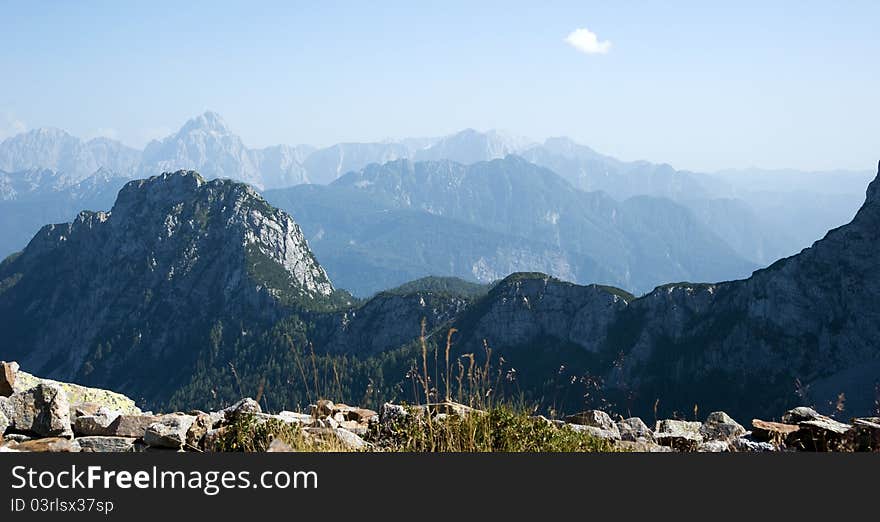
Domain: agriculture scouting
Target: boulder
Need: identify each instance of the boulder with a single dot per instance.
(17, 437)
(80, 394)
(279, 446)
(745, 445)
(392, 413)
(714, 446)
(169, 432)
(824, 434)
(799, 414)
(360, 415)
(245, 406)
(720, 426)
(95, 425)
(641, 446)
(7, 378)
(106, 444)
(292, 417)
(198, 430)
(633, 429)
(47, 445)
(323, 408)
(817, 432)
(349, 440)
(595, 418)
(678, 434)
(450, 408)
(773, 432)
(43, 410)
(866, 434)
(130, 426)
(599, 433)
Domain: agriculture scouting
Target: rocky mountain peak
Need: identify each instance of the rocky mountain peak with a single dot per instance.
(208, 121)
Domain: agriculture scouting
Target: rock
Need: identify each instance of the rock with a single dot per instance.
(106, 444)
(713, 446)
(800, 414)
(678, 434)
(866, 434)
(169, 432)
(245, 406)
(450, 408)
(130, 425)
(43, 410)
(323, 408)
(720, 426)
(339, 417)
(279, 446)
(634, 429)
(95, 425)
(824, 434)
(328, 422)
(745, 445)
(354, 427)
(198, 430)
(595, 418)
(596, 432)
(17, 437)
(48, 445)
(773, 432)
(392, 413)
(361, 415)
(349, 440)
(4, 420)
(80, 394)
(816, 432)
(292, 417)
(641, 446)
(7, 378)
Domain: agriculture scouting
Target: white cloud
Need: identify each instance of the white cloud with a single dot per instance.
(587, 42)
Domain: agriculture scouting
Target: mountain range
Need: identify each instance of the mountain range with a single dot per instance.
(47, 176)
(209, 286)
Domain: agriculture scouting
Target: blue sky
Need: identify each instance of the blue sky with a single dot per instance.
(700, 85)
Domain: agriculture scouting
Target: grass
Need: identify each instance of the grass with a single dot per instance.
(500, 429)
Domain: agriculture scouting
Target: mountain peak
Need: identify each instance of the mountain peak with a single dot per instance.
(208, 121)
(874, 188)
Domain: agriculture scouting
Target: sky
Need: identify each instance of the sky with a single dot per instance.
(700, 85)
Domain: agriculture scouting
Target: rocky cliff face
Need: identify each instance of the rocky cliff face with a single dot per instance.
(141, 286)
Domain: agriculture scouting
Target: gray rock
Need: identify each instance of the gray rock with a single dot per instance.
(641, 446)
(634, 429)
(600, 433)
(95, 425)
(713, 446)
(17, 437)
(349, 440)
(721, 427)
(106, 444)
(292, 417)
(245, 406)
(800, 414)
(169, 432)
(43, 410)
(130, 425)
(678, 434)
(79, 394)
(745, 445)
(595, 418)
(391, 413)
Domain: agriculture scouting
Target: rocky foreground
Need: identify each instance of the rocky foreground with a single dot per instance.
(41, 415)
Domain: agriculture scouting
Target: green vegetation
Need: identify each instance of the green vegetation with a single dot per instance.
(442, 286)
(501, 429)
